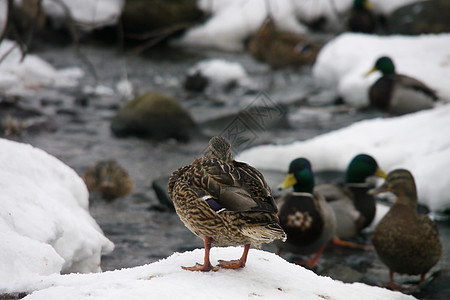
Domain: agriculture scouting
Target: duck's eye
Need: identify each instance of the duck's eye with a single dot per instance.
(303, 48)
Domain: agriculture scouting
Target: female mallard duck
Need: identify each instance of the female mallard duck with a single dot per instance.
(305, 215)
(406, 242)
(398, 94)
(224, 202)
(109, 179)
(362, 18)
(282, 49)
(353, 206)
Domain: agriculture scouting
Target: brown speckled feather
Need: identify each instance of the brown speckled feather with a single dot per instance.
(247, 213)
(406, 242)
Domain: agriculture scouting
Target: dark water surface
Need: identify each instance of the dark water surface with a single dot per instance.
(141, 231)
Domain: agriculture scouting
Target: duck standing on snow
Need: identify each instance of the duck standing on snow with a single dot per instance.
(406, 242)
(398, 94)
(353, 206)
(224, 202)
(305, 216)
(362, 18)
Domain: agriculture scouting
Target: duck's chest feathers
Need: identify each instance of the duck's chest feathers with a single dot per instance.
(381, 92)
(301, 218)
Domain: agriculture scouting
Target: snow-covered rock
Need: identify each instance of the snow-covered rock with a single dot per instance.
(90, 13)
(19, 77)
(221, 73)
(45, 223)
(232, 21)
(265, 276)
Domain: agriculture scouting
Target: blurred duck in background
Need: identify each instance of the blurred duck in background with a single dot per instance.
(398, 94)
(406, 242)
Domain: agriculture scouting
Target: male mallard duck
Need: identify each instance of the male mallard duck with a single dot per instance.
(304, 214)
(362, 18)
(406, 242)
(353, 206)
(281, 49)
(109, 179)
(396, 93)
(224, 202)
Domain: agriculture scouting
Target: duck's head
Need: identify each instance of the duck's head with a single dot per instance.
(401, 183)
(362, 5)
(300, 176)
(219, 148)
(385, 65)
(361, 167)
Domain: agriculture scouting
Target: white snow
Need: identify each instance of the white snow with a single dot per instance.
(419, 142)
(266, 276)
(232, 21)
(343, 62)
(221, 72)
(21, 77)
(45, 223)
(91, 13)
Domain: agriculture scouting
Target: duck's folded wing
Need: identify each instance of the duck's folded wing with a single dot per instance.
(236, 199)
(412, 83)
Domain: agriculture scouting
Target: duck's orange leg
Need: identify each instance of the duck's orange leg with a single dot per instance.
(340, 242)
(313, 261)
(237, 263)
(206, 267)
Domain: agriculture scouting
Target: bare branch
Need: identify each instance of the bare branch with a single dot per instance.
(74, 33)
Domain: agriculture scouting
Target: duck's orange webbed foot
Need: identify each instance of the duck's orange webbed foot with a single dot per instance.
(237, 263)
(206, 267)
(340, 242)
(202, 268)
(231, 264)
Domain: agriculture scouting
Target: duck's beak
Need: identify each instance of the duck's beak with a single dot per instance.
(380, 173)
(368, 5)
(370, 71)
(288, 181)
(381, 189)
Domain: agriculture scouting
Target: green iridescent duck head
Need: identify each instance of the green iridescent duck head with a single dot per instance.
(362, 4)
(300, 176)
(385, 65)
(361, 167)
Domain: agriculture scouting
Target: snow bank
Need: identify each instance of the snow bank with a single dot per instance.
(418, 142)
(20, 77)
(343, 62)
(44, 221)
(266, 276)
(232, 21)
(96, 13)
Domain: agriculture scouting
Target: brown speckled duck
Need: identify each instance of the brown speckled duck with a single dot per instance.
(406, 242)
(305, 216)
(398, 94)
(282, 49)
(224, 202)
(109, 179)
(353, 206)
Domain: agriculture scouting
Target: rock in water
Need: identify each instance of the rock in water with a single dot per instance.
(421, 17)
(140, 16)
(154, 115)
